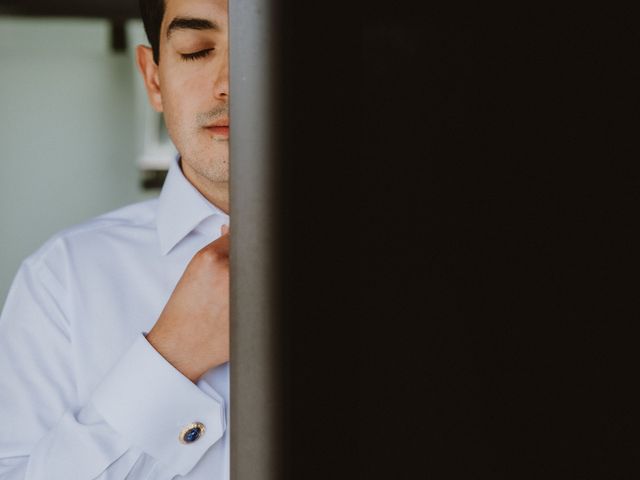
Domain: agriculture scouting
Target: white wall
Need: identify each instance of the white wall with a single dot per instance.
(68, 138)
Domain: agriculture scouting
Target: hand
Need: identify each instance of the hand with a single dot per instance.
(192, 332)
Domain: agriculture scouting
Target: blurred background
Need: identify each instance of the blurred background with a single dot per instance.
(78, 137)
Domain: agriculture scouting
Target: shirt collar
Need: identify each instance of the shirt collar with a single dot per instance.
(181, 208)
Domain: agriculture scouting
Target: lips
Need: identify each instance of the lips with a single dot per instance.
(220, 127)
(223, 122)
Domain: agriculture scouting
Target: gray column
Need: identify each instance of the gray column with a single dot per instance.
(255, 379)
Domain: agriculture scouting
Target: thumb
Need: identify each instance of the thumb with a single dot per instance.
(221, 245)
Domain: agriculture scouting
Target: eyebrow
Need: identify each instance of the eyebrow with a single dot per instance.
(190, 23)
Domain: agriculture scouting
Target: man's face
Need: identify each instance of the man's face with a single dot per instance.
(193, 78)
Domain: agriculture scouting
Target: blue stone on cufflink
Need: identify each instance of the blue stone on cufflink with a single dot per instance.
(192, 433)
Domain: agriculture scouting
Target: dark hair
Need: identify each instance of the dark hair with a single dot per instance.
(152, 12)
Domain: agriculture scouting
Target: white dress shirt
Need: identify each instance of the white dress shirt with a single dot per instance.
(83, 395)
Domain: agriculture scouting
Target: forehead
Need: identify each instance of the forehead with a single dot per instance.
(215, 10)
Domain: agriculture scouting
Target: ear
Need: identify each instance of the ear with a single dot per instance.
(149, 70)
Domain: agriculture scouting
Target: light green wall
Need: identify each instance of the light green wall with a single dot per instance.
(68, 138)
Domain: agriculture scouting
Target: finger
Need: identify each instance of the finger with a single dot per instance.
(224, 229)
(221, 245)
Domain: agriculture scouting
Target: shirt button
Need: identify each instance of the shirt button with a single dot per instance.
(192, 432)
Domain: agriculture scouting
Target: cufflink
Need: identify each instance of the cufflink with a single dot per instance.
(191, 433)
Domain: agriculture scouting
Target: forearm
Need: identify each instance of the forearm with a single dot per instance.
(135, 416)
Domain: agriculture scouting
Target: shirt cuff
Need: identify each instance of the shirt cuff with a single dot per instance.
(150, 403)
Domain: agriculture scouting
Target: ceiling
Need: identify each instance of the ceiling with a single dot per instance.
(116, 9)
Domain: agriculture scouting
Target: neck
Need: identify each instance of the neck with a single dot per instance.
(216, 192)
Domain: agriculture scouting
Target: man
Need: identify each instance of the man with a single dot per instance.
(114, 339)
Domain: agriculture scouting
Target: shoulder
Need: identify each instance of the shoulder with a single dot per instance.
(126, 225)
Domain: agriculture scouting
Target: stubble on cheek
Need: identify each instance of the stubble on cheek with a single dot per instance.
(209, 156)
(217, 113)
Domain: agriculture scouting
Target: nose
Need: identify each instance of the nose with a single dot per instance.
(221, 83)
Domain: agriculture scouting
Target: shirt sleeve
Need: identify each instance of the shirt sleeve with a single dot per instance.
(128, 428)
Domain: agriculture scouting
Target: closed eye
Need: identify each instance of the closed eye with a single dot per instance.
(196, 55)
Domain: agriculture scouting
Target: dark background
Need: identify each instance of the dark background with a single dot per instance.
(463, 195)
